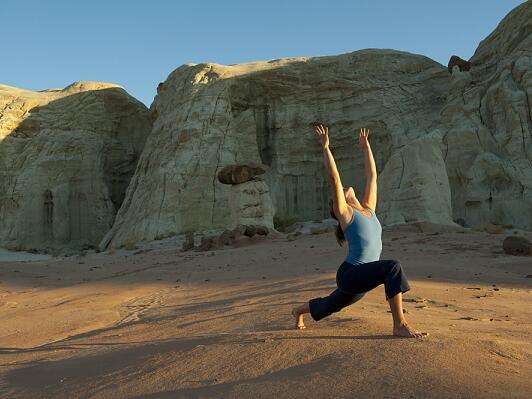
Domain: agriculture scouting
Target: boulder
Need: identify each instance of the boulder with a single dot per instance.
(226, 238)
(262, 230)
(252, 230)
(239, 230)
(237, 174)
(208, 243)
(516, 245)
(462, 65)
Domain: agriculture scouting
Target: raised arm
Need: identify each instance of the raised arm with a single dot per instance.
(339, 204)
(370, 194)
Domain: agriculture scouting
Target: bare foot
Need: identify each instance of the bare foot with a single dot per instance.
(300, 325)
(404, 330)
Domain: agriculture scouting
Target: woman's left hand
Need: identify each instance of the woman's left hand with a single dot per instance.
(363, 142)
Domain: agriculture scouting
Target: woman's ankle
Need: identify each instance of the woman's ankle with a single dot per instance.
(399, 323)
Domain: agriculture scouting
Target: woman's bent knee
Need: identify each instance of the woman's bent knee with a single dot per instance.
(394, 265)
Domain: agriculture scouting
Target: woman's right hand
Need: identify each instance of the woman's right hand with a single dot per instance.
(322, 132)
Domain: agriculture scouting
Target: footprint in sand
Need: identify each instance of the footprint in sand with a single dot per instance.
(416, 300)
(138, 306)
(484, 296)
(505, 350)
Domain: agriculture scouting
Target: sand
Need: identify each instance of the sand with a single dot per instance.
(168, 324)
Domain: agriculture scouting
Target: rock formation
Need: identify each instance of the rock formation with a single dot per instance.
(449, 147)
(414, 184)
(249, 198)
(250, 204)
(209, 116)
(452, 144)
(66, 158)
(237, 174)
(487, 127)
(463, 65)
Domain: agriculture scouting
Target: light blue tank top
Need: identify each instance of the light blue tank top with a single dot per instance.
(363, 235)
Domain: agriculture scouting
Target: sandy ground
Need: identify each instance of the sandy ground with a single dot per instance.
(217, 324)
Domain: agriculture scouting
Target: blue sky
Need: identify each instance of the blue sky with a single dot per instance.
(50, 44)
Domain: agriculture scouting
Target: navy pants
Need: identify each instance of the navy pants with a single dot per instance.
(354, 281)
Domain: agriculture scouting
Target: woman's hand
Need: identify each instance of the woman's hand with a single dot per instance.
(363, 142)
(322, 132)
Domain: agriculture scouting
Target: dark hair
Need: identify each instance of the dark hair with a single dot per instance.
(340, 238)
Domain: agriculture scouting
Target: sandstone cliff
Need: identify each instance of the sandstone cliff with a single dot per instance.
(487, 127)
(452, 144)
(209, 116)
(66, 158)
(449, 147)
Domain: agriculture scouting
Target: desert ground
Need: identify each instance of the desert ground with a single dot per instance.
(161, 323)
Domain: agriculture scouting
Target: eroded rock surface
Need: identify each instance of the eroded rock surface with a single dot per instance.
(209, 116)
(66, 158)
(487, 127)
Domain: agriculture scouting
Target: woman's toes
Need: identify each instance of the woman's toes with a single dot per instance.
(406, 331)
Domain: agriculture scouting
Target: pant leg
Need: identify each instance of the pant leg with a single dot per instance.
(367, 276)
(334, 302)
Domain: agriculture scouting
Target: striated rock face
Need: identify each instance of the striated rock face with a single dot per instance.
(414, 184)
(487, 127)
(448, 146)
(249, 199)
(250, 204)
(209, 116)
(66, 158)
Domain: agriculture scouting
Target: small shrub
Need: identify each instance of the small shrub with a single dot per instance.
(281, 223)
(130, 245)
(19, 247)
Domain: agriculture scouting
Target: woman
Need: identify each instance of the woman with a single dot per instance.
(361, 270)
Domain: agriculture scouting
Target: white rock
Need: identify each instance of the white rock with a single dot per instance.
(250, 204)
(209, 116)
(66, 157)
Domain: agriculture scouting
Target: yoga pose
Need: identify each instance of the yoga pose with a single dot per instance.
(361, 270)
